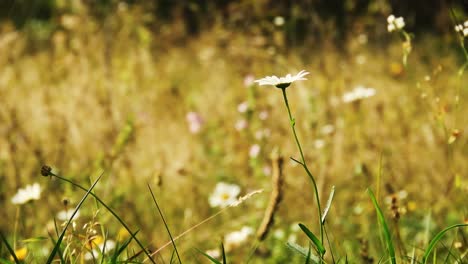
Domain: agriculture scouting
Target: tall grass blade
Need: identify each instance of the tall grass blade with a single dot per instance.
(223, 253)
(328, 205)
(10, 249)
(59, 241)
(309, 252)
(165, 223)
(386, 231)
(320, 248)
(436, 239)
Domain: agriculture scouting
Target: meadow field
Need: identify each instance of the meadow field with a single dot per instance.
(138, 122)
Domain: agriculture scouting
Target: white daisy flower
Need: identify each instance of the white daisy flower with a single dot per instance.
(282, 82)
(29, 193)
(224, 195)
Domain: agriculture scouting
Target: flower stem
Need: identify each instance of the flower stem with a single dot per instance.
(303, 163)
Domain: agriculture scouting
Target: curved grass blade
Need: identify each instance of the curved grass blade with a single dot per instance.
(386, 230)
(436, 239)
(303, 251)
(328, 205)
(10, 249)
(164, 221)
(210, 257)
(320, 248)
(59, 241)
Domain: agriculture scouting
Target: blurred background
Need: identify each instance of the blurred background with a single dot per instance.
(162, 93)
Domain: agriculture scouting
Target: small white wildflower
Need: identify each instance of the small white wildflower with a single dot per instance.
(254, 151)
(358, 209)
(327, 129)
(237, 238)
(361, 59)
(243, 107)
(362, 38)
(465, 32)
(458, 28)
(224, 195)
(358, 93)
(319, 143)
(295, 227)
(249, 80)
(195, 122)
(279, 234)
(278, 21)
(399, 23)
(261, 134)
(241, 124)
(466, 23)
(395, 23)
(67, 214)
(28, 193)
(282, 82)
(263, 115)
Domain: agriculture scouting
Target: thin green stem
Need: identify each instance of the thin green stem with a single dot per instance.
(303, 162)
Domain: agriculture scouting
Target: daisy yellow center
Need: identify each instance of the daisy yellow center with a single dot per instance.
(225, 196)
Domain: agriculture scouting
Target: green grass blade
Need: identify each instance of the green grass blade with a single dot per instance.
(436, 239)
(223, 253)
(10, 249)
(303, 251)
(165, 223)
(309, 252)
(59, 241)
(209, 257)
(386, 231)
(320, 248)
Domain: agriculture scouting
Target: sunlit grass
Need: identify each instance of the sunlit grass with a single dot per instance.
(86, 104)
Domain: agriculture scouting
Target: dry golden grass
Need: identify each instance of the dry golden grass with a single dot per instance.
(68, 105)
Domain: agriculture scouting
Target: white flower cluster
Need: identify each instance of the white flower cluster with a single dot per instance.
(395, 23)
(462, 28)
